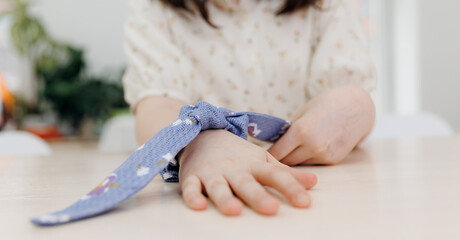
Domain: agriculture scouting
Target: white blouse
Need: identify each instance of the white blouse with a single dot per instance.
(254, 61)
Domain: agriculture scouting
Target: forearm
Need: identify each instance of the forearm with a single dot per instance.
(371, 112)
(153, 114)
(363, 110)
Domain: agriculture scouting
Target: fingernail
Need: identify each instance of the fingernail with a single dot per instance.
(269, 206)
(268, 203)
(195, 201)
(302, 198)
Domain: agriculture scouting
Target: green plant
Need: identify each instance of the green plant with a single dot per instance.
(60, 69)
(27, 32)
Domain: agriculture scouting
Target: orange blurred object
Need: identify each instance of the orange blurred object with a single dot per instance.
(7, 96)
(45, 132)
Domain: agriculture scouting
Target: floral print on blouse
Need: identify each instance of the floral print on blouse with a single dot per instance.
(253, 61)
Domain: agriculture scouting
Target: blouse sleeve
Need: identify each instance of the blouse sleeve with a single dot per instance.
(340, 53)
(156, 66)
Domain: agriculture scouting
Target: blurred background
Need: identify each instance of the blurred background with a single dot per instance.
(61, 63)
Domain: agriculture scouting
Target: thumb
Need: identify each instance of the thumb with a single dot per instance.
(285, 145)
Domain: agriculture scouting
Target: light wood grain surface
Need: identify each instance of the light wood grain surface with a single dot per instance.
(387, 189)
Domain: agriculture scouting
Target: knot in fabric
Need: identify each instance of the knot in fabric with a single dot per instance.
(207, 115)
(212, 117)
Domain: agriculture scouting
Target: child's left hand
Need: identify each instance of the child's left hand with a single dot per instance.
(327, 128)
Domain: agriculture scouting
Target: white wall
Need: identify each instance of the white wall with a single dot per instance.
(422, 73)
(440, 58)
(405, 56)
(96, 25)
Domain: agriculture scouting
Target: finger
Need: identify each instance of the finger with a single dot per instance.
(308, 180)
(253, 194)
(316, 161)
(192, 193)
(272, 159)
(220, 194)
(297, 156)
(286, 144)
(280, 179)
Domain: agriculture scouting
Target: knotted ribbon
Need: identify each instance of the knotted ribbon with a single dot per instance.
(160, 151)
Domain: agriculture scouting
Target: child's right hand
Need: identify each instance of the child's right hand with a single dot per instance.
(218, 162)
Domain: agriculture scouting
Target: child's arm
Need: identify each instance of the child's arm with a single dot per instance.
(327, 128)
(153, 114)
(218, 162)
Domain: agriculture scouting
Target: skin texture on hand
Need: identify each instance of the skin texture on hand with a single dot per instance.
(327, 128)
(221, 164)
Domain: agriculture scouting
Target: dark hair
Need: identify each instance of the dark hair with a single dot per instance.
(289, 6)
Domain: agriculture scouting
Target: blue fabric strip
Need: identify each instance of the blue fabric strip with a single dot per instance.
(158, 156)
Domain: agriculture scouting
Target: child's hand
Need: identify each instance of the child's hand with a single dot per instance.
(327, 128)
(218, 162)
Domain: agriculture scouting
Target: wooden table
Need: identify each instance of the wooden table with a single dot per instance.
(387, 189)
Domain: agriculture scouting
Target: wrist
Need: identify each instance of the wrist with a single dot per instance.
(199, 142)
